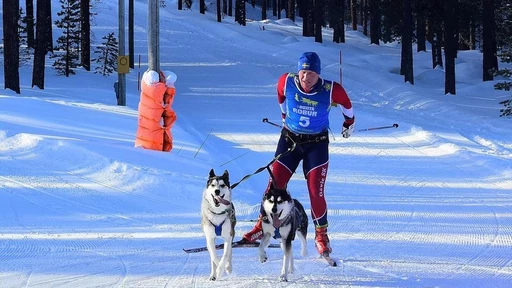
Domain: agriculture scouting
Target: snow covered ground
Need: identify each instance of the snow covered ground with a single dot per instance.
(428, 204)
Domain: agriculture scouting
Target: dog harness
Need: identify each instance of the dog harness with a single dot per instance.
(218, 228)
(231, 215)
(286, 221)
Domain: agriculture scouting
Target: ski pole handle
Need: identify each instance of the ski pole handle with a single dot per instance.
(265, 120)
(378, 128)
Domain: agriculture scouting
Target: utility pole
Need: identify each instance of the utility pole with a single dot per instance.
(131, 49)
(121, 75)
(153, 36)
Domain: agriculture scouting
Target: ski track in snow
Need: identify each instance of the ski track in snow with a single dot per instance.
(365, 240)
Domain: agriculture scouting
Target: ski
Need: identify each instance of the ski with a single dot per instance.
(236, 244)
(329, 260)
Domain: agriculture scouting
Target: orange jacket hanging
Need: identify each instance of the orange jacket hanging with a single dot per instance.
(156, 116)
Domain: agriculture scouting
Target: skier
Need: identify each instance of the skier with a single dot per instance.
(305, 100)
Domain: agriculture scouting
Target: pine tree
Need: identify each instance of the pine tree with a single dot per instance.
(504, 33)
(107, 55)
(67, 49)
(25, 51)
(490, 63)
(506, 57)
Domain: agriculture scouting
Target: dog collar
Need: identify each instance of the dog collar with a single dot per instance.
(227, 210)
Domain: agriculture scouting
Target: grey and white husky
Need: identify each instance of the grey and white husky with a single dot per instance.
(218, 220)
(283, 217)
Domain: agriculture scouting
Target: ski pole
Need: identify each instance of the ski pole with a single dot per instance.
(378, 128)
(271, 123)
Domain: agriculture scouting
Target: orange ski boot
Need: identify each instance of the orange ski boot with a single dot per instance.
(255, 234)
(322, 241)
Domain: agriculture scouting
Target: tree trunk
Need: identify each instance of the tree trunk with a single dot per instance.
(449, 47)
(219, 15)
(489, 58)
(11, 45)
(375, 25)
(353, 13)
(435, 23)
(341, 17)
(421, 26)
(41, 43)
(68, 52)
(406, 67)
(29, 4)
(319, 5)
(336, 9)
(291, 9)
(279, 8)
(301, 5)
(85, 34)
(202, 6)
(456, 30)
(264, 10)
(308, 25)
(240, 16)
(47, 25)
(364, 18)
(472, 35)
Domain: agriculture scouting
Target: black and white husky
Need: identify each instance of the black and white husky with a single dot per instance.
(282, 218)
(218, 219)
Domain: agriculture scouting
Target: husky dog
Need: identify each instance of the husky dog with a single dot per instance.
(218, 219)
(282, 217)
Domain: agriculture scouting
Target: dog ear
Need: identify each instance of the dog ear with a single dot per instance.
(212, 173)
(226, 174)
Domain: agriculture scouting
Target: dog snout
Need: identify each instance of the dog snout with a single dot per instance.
(274, 209)
(217, 192)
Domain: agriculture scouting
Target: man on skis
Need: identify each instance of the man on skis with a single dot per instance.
(305, 100)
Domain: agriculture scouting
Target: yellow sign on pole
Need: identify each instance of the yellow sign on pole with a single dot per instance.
(123, 65)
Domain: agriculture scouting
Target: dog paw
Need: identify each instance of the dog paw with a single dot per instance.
(283, 278)
(213, 278)
(263, 257)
